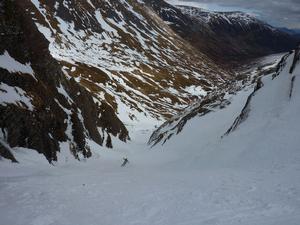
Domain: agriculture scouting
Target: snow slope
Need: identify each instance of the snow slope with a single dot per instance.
(269, 134)
(217, 99)
(250, 176)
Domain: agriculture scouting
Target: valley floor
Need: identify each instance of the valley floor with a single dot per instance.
(250, 177)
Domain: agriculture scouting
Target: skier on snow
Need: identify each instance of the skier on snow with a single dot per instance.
(125, 161)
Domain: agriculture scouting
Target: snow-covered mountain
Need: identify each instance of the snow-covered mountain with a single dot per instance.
(134, 54)
(75, 71)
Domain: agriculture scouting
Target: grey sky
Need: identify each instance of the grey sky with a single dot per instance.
(284, 13)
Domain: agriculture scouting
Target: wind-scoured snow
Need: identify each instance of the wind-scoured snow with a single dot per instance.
(13, 66)
(14, 95)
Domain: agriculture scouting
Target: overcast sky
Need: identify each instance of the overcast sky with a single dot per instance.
(282, 13)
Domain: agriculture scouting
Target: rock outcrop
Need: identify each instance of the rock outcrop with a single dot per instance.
(43, 108)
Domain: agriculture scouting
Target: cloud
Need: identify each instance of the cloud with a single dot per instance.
(282, 13)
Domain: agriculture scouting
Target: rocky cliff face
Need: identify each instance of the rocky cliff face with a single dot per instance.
(40, 107)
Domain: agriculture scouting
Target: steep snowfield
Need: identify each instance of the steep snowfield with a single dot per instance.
(251, 176)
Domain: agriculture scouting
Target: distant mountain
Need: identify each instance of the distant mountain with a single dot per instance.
(293, 32)
(226, 37)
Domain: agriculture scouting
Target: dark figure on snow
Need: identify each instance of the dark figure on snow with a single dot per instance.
(125, 161)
